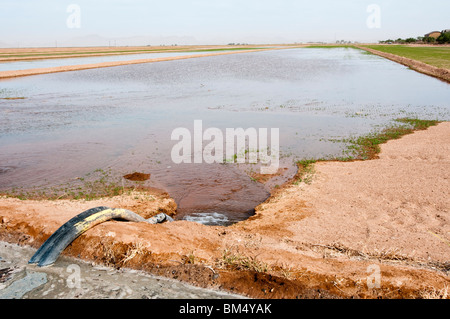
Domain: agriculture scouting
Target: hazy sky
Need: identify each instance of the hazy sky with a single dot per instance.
(45, 22)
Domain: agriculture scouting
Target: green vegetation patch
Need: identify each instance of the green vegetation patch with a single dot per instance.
(75, 53)
(435, 56)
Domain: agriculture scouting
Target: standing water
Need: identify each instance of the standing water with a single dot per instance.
(61, 127)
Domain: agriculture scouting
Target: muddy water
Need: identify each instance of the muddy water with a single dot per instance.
(64, 126)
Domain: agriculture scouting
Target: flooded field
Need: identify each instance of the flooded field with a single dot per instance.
(49, 63)
(61, 129)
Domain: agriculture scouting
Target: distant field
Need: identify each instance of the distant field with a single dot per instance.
(436, 56)
(42, 53)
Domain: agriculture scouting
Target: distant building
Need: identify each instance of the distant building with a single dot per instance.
(434, 34)
(446, 31)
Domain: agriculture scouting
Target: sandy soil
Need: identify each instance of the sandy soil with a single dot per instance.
(440, 73)
(326, 239)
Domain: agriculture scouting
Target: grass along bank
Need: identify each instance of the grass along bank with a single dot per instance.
(366, 147)
(270, 256)
(438, 56)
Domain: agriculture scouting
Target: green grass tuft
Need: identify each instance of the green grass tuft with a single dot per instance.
(364, 147)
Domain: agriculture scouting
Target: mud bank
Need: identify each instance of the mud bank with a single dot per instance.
(371, 229)
(418, 66)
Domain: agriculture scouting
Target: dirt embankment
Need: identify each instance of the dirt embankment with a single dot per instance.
(365, 229)
(440, 73)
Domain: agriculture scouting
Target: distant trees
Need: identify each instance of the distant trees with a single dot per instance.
(411, 40)
(442, 39)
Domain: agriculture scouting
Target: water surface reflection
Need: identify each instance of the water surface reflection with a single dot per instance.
(67, 125)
